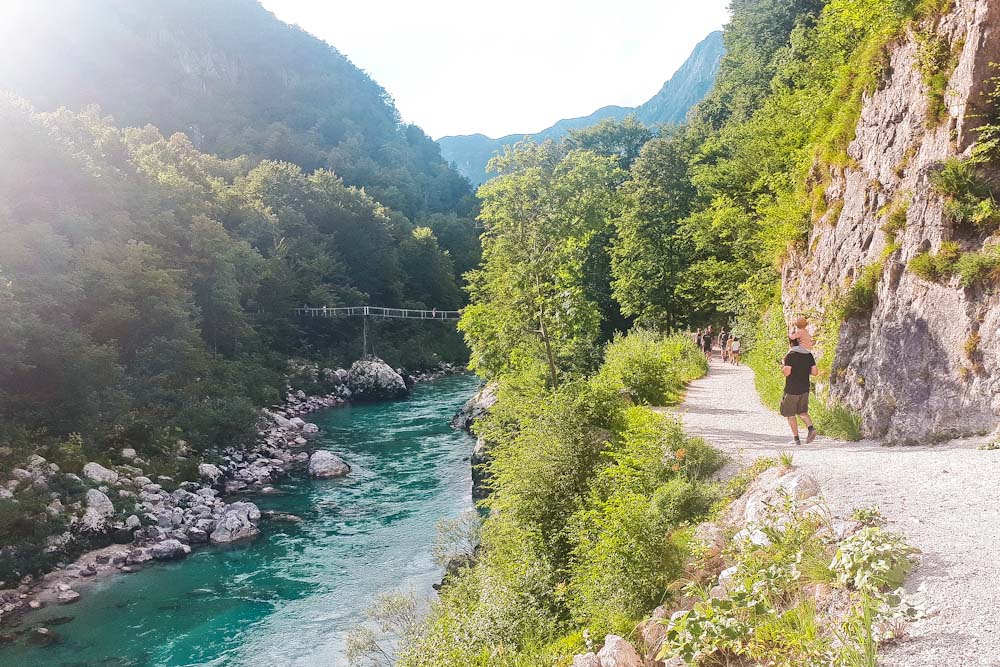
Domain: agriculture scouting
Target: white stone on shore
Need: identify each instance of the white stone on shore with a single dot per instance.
(67, 597)
(99, 502)
(210, 472)
(100, 474)
(169, 550)
(236, 523)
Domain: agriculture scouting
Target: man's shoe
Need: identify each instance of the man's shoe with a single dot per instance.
(795, 443)
(811, 436)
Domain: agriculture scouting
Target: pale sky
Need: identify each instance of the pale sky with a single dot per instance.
(509, 66)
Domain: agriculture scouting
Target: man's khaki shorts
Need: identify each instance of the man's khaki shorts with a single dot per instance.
(794, 404)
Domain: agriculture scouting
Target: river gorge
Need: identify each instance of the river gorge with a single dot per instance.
(290, 597)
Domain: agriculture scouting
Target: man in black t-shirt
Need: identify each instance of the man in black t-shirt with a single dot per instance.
(798, 366)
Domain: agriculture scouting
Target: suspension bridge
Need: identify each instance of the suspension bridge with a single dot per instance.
(378, 313)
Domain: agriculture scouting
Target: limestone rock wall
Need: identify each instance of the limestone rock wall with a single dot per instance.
(902, 368)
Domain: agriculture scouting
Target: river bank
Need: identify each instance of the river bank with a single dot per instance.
(152, 524)
(291, 596)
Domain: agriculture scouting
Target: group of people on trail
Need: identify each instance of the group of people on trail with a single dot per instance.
(798, 366)
(729, 344)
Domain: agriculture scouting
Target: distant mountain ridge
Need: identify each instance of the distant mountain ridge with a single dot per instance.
(689, 84)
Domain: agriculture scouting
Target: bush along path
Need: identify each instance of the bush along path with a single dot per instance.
(944, 498)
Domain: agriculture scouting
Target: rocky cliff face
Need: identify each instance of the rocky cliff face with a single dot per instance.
(902, 367)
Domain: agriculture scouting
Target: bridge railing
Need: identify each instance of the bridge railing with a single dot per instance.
(378, 312)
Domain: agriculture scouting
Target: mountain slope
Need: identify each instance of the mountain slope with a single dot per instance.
(231, 76)
(470, 153)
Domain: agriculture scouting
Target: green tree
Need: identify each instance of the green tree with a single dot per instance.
(620, 139)
(651, 254)
(529, 299)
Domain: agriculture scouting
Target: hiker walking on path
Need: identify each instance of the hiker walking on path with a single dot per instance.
(706, 340)
(798, 365)
(724, 344)
(734, 351)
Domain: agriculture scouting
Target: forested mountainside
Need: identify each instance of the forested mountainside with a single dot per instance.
(148, 274)
(687, 87)
(233, 78)
(843, 166)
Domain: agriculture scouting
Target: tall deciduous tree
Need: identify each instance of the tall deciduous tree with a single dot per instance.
(530, 300)
(651, 253)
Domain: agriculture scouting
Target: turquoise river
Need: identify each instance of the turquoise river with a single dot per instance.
(290, 598)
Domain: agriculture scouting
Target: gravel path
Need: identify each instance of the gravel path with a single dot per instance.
(945, 498)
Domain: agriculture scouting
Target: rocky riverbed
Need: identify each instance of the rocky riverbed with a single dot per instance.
(150, 519)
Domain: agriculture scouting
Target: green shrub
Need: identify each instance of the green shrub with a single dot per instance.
(652, 368)
(836, 421)
(624, 561)
(923, 266)
(860, 297)
(765, 356)
(683, 499)
(974, 268)
(69, 454)
(895, 218)
(955, 177)
(873, 559)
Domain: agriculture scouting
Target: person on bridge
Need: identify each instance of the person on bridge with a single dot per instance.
(798, 366)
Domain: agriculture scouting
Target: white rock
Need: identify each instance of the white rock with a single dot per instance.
(128, 453)
(586, 660)
(100, 474)
(711, 537)
(800, 486)
(209, 471)
(618, 653)
(100, 503)
(297, 422)
(169, 550)
(67, 597)
(310, 428)
(374, 380)
(324, 465)
(237, 523)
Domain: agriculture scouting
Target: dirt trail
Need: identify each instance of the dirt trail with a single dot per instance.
(945, 498)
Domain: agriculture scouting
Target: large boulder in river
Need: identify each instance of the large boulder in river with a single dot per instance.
(374, 380)
(238, 522)
(324, 465)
